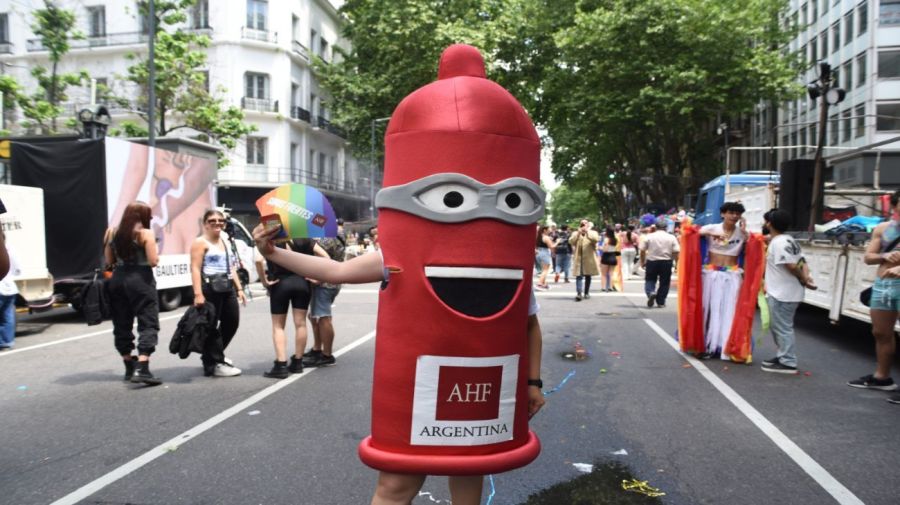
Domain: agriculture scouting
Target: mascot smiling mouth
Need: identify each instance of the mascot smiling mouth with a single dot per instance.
(475, 291)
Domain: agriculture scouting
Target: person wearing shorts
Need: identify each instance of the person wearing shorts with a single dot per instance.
(322, 299)
(288, 290)
(884, 250)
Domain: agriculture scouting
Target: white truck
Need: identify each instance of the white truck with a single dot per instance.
(23, 224)
(87, 184)
(836, 263)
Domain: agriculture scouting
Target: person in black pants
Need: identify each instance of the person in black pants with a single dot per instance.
(659, 251)
(131, 249)
(215, 280)
(288, 290)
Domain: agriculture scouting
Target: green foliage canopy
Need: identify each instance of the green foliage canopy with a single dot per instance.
(626, 89)
(180, 84)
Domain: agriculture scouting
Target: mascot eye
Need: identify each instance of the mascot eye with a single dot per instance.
(516, 201)
(449, 198)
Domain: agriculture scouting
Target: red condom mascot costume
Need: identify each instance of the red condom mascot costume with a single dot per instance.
(457, 224)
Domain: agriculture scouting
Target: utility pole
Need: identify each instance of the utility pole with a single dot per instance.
(372, 171)
(151, 77)
(831, 95)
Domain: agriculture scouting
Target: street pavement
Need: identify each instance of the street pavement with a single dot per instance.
(708, 432)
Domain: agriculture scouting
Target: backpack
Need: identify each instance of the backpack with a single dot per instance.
(564, 247)
(95, 300)
(334, 246)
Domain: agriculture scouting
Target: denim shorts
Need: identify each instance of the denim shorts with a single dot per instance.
(322, 299)
(543, 256)
(886, 295)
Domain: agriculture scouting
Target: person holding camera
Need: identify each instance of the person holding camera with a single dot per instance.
(584, 264)
(215, 280)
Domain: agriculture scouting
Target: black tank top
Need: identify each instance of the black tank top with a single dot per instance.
(300, 245)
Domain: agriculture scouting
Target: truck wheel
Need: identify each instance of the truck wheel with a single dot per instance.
(169, 299)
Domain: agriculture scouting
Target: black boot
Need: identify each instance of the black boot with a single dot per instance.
(142, 375)
(129, 368)
(278, 371)
(296, 365)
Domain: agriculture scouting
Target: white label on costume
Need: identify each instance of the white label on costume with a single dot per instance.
(464, 401)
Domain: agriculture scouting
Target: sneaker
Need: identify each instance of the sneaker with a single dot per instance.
(587, 296)
(779, 367)
(771, 361)
(225, 370)
(296, 365)
(662, 305)
(228, 361)
(578, 297)
(870, 382)
(651, 299)
(321, 361)
(542, 287)
(278, 371)
(895, 399)
(311, 357)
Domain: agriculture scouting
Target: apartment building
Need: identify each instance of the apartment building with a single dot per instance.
(860, 39)
(260, 54)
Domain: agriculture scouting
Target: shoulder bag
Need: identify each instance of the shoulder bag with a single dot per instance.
(220, 283)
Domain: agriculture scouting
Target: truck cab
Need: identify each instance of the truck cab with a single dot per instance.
(713, 195)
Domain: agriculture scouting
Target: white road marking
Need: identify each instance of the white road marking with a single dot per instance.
(72, 339)
(87, 335)
(837, 490)
(172, 444)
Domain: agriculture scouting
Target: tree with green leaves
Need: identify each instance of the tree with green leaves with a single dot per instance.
(568, 205)
(182, 98)
(55, 27)
(636, 85)
(626, 89)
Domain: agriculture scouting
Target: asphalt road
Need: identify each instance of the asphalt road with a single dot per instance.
(701, 432)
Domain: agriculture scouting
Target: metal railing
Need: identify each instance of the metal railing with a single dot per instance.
(259, 104)
(6, 47)
(283, 175)
(324, 124)
(105, 40)
(114, 108)
(200, 30)
(259, 35)
(301, 114)
(300, 49)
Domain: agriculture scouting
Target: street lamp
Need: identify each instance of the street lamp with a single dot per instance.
(831, 95)
(372, 167)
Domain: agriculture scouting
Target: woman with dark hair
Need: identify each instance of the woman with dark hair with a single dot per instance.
(131, 249)
(608, 259)
(543, 245)
(215, 280)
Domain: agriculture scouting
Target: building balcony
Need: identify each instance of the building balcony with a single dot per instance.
(301, 114)
(259, 104)
(300, 50)
(326, 125)
(260, 174)
(105, 40)
(200, 30)
(6, 47)
(248, 33)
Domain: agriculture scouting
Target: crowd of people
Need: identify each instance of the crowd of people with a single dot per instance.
(131, 253)
(725, 254)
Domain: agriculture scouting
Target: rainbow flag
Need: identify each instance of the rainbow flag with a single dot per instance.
(304, 211)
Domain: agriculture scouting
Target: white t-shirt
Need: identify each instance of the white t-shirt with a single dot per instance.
(7, 284)
(731, 247)
(781, 284)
